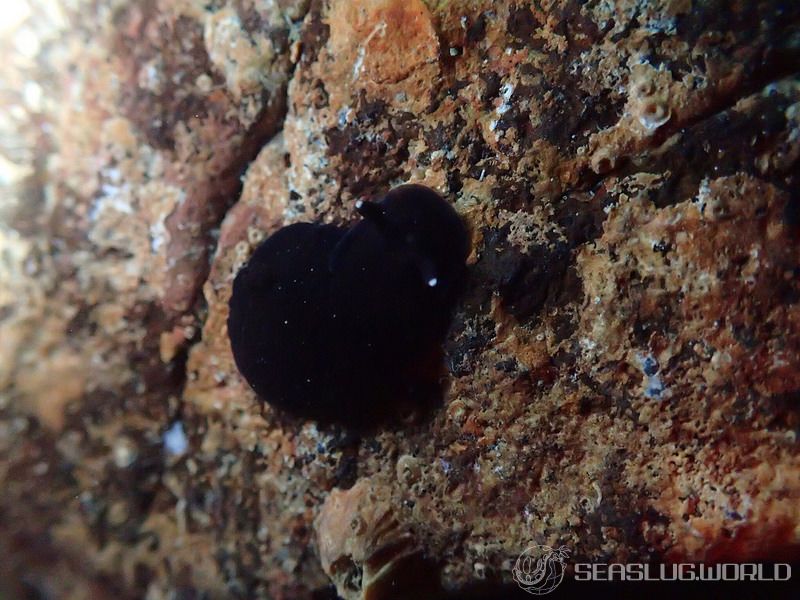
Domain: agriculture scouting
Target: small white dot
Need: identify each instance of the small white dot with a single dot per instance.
(359, 203)
(432, 282)
(286, 322)
(175, 441)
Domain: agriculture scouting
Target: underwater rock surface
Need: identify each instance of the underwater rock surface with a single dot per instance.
(624, 369)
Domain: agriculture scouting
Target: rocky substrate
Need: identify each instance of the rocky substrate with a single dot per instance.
(624, 369)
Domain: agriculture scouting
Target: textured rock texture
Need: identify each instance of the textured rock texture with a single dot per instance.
(624, 368)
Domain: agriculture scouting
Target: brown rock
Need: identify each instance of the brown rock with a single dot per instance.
(623, 369)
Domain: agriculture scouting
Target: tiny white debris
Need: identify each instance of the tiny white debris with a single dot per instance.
(345, 116)
(665, 25)
(432, 282)
(114, 197)
(380, 28)
(26, 41)
(359, 204)
(113, 175)
(158, 235)
(124, 453)
(150, 77)
(507, 91)
(599, 493)
(175, 441)
(32, 93)
(204, 83)
(654, 387)
(704, 192)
